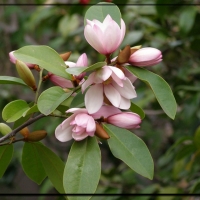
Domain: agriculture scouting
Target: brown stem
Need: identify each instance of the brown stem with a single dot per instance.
(7, 143)
(15, 131)
(108, 61)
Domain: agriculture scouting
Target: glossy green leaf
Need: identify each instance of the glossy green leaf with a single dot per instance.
(14, 110)
(11, 80)
(31, 110)
(4, 129)
(51, 98)
(78, 101)
(126, 146)
(43, 56)
(197, 138)
(161, 89)
(78, 70)
(31, 163)
(6, 153)
(101, 10)
(52, 164)
(83, 168)
(136, 109)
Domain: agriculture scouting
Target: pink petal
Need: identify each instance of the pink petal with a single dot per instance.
(124, 103)
(88, 82)
(82, 119)
(118, 72)
(79, 137)
(76, 110)
(94, 98)
(60, 81)
(106, 111)
(82, 61)
(78, 130)
(129, 75)
(70, 64)
(127, 91)
(91, 126)
(123, 30)
(112, 94)
(102, 74)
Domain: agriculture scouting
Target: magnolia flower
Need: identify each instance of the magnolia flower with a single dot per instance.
(81, 124)
(109, 82)
(13, 60)
(64, 83)
(104, 37)
(78, 126)
(145, 57)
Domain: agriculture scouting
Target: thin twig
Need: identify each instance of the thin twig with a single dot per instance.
(15, 131)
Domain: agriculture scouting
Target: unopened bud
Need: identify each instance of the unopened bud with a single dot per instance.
(26, 74)
(100, 132)
(25, 132)
(135, 48)
(124, 55)
(5, 129)
(65, 56)
(36, 136)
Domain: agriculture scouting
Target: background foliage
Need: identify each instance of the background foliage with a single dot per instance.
(174, 145)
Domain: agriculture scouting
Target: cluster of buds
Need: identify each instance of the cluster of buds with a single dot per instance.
(109, 88)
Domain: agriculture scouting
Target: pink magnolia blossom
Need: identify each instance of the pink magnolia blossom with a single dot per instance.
(78, 126)
(104, 37)
(13, 60)
(127, 120)
(147, 56)
(111, 82)
(64, 83)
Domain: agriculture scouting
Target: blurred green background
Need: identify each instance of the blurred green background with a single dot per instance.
(170, 26)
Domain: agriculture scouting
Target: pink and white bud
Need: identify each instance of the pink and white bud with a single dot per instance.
(78, 126)
(13, 60)
(145, 57)
(127, 120)
(81, 62)
(104, 37)
(60, 81)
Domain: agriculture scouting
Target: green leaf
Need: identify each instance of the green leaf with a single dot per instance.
(83, 168)
(197, 138)
(53, 165)
(11, 80)
(31, 163)
(4, 129)
(136, 109)
(43, 56)
(79, 70)
(78, 101)
(51, 98)
(187, 19)
(6, 153)
(126, 146)
(101, 10)
(14, 110)
(31, 110)
(161, 89)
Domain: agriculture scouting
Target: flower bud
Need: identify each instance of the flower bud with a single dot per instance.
(65, 56)
(25, 132)
(26, 74)
(124, 55)
(36, 136)
(146, 57)
(126, 120)
(100, 132)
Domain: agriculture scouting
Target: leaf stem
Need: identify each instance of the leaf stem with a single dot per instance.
(39, 85)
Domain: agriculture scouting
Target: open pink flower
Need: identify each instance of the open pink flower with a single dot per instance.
(13, 60)
(104, 37)
(78, 126)
(111, 82)
(145, 57)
